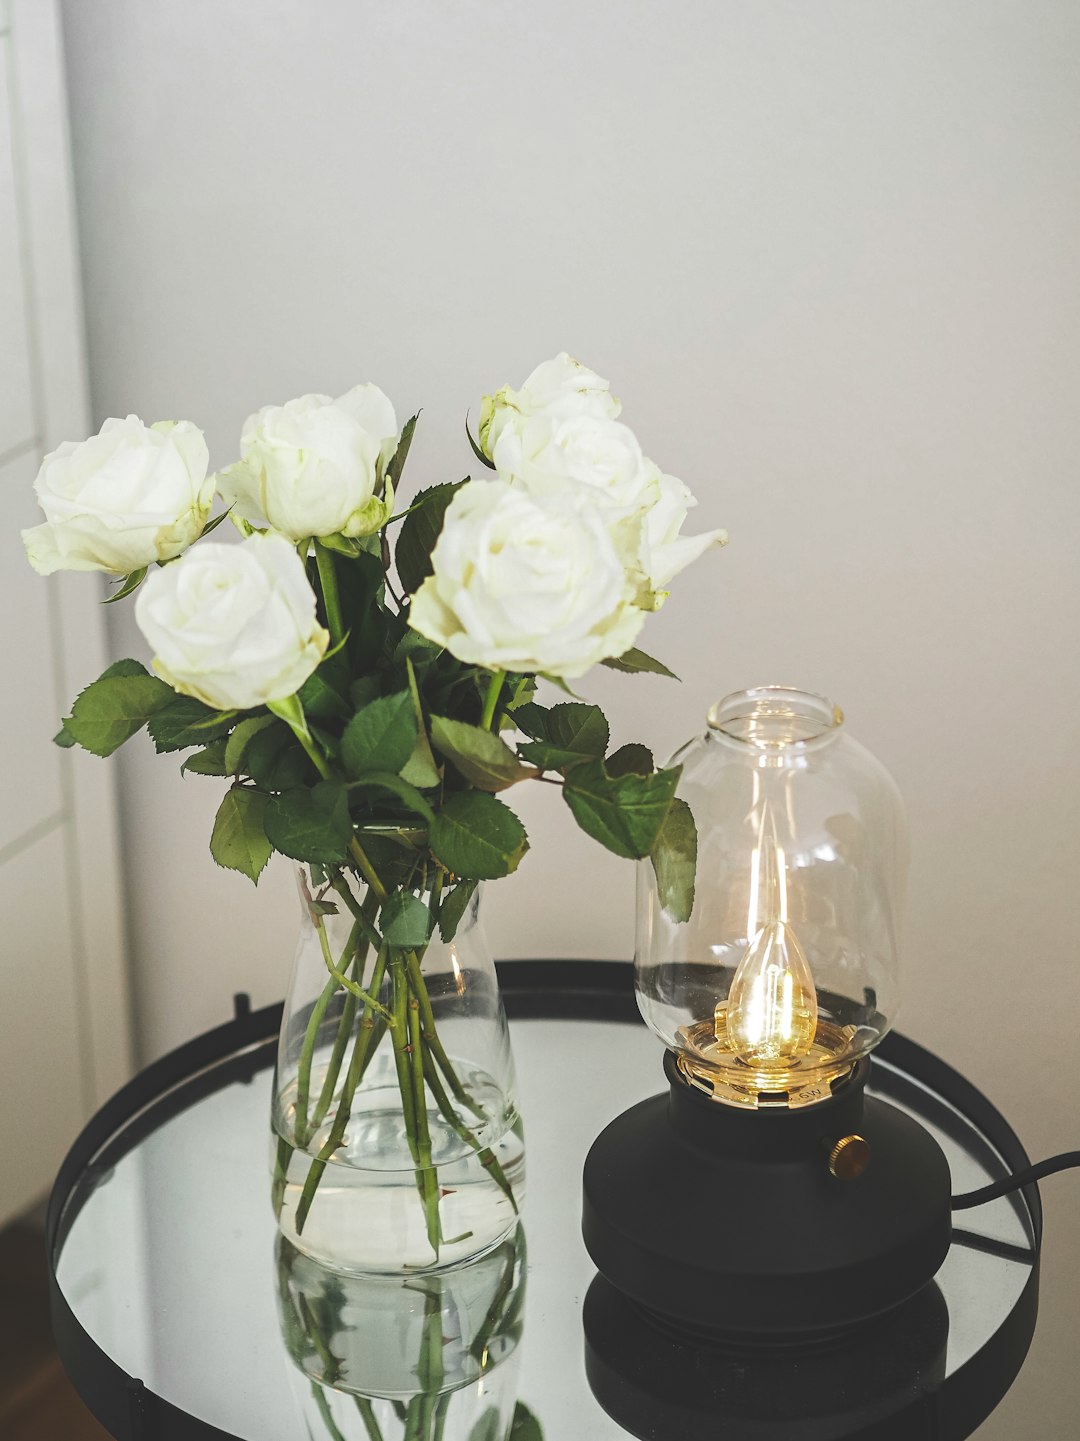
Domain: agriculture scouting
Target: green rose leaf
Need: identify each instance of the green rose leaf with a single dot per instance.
(420, 769)
(324, 694)
(239, 841)
(237, 743)
(525, 1426)
(310, 824)
(630, 760)
(210, 761)
(478, 837)
(111, 709)
(636, 662)
(185, 721)
(674, 859)
(453, 907)
(397, 462)
(274, 759)
(482, 758)
(419, 532)
(380, 737)
(405, 792)
(624, 813)
(406, 921)
(564, 735)
(63, 737)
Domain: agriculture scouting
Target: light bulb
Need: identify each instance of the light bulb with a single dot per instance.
(771, 1013)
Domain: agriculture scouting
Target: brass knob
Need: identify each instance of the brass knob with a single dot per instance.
(849, 1158)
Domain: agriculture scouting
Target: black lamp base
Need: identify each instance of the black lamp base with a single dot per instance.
(737, 1225)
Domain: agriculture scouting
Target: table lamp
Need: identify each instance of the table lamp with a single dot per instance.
(765, 1199)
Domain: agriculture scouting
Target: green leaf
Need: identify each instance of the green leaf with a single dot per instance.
(478, 837)
(239, 842)
(453, 907)
(548, 757)
(310, 823)
(481, 457)
(210, 761)
(405, 920)
(624, 813)
(274, 759)
(636, 662)
(324, 694)
(185, 721)
(482, 758)
(131, 582)
(64, 738)
(578, 729)
(241, 736)
(420, 769)
(674, 859)
(388, 781)
(419, 532)
(212, 525)
(380, 737)
(525, 1426)
(111, 709)
(630, 760)
(397, 462)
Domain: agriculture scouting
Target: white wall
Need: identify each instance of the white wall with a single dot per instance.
(827, 253)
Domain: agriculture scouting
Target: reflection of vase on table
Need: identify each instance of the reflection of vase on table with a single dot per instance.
(431, 1357)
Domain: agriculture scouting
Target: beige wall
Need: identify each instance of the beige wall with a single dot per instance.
(827, 253)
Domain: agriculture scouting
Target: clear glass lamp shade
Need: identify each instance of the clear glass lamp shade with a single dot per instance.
(785, 973)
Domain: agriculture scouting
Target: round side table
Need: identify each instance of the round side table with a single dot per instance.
(168, 1278)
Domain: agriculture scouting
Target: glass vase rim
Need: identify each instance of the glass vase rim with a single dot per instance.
(776, 718)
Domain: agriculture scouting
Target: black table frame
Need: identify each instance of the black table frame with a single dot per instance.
(532, 990)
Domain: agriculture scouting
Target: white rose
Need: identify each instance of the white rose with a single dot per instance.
(601, 457)
(130, 495)
(558, 389)
(314, 466)
(526, 583)
(664, 551)
(233, 625)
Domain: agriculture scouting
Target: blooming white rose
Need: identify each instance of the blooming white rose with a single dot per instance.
(233, 625)
(603, 457)
(130, 495)
(314, 466)
(663, 551)
(527, 583)
(557, 389)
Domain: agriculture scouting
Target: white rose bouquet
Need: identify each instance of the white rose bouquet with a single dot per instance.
(364, 679)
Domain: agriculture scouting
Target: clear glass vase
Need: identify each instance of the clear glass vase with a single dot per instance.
(397, 1141)
(421, 1358)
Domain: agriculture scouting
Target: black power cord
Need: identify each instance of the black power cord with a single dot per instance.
(1064, 1162)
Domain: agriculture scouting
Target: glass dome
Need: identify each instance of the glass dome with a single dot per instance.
(785, 973)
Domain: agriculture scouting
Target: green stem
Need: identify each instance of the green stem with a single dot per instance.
(361, 1051)
(495, 685)
(429, 1189)
(325, 1413)
(340, 977)
(291, 712)
(367, 870)
(431, 1036)
(367, 1415)
(307, 1052)
(324, 559)
(486, 1156)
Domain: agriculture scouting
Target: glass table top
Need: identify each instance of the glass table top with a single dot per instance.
(172, 1265)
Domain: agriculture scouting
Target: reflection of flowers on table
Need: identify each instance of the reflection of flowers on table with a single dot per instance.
(430, 1357)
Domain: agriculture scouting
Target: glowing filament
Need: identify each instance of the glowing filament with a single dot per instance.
(771, 1013)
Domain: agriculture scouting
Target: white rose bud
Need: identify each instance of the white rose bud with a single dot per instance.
(233, 625)
(526, 583)
(314, 466)
(558, 389)
(600, 457)
(129, 496)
